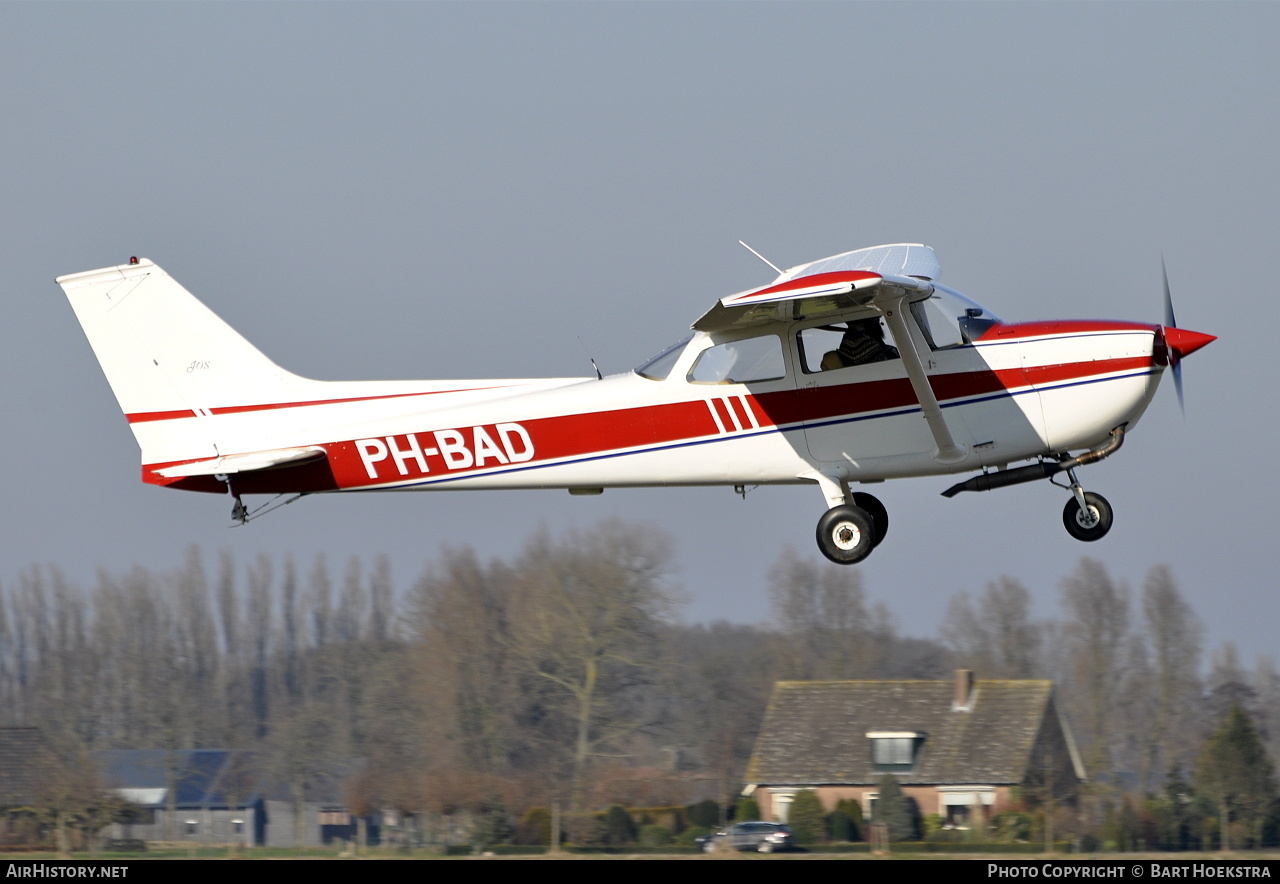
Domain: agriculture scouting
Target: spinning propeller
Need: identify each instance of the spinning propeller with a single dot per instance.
(1178, 342)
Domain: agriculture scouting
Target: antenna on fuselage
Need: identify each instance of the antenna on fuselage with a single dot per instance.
(599, 376)
(760, 256)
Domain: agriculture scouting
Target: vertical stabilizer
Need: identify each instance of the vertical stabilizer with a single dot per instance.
(168, 357)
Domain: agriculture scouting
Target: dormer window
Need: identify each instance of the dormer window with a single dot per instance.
(894, 750)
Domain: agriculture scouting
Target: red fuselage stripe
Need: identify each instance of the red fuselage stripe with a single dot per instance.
(144, 416)
(595, 433)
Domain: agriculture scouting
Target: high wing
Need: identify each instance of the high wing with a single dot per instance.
(830, 286)
(885, 278)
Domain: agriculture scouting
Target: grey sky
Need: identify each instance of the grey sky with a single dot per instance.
(450, 190)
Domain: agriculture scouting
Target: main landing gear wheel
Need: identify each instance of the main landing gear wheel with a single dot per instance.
(846, 534)
(1090, 527)
(875, 509)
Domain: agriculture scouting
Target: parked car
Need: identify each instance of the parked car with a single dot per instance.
(760, 836)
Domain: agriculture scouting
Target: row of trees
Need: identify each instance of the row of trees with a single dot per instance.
(563, 673)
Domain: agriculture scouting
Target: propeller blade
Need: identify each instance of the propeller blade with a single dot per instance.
(1179, 341)
(1171, 322)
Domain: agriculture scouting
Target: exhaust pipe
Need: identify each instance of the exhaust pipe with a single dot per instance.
(1041, 470)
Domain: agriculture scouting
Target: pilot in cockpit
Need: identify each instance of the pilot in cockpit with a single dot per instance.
(863, 342)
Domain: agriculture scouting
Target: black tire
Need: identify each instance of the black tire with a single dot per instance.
(875, 509)
(1088, 533)
(846, 534)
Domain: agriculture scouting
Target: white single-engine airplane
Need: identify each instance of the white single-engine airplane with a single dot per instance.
(790, 383)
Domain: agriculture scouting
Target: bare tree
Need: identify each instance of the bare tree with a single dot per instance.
(1174, 635)
(585, 623)
(1266, 682)
(459, 613)
(830, 632)
(998, 639)
(1229, 684)
(716, 695)
(258, 632)
(1096, 635)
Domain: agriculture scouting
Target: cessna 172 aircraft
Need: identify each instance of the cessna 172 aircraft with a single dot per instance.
(790, 383)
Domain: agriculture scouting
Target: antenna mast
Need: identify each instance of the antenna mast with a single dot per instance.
(760, 256)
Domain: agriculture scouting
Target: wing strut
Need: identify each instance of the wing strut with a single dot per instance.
(895, 314)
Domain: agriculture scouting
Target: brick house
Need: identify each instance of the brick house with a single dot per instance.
(957, 747)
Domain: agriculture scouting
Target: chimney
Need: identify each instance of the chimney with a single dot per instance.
(963, 701)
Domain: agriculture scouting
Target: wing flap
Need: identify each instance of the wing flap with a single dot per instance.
(249, 462)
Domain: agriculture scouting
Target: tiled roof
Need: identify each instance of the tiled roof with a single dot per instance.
(815, 732)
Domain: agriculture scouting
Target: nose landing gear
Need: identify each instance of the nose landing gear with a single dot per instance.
(1087, 516)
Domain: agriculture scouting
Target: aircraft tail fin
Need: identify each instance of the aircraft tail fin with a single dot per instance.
(166, 355)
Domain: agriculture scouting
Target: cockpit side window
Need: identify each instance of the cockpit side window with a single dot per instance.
(855, 342)
(741, 362)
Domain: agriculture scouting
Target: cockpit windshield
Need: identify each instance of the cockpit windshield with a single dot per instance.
(949, 319)
(657, 368)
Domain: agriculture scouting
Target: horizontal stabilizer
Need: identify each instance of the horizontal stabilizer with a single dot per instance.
(245, 463)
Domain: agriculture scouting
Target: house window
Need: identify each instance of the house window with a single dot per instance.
(894, 750)
(781, 800)
(959, 804)
(193, 827)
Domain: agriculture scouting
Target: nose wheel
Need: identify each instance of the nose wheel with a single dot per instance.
(1088, 523)
(1087, 516)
